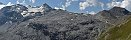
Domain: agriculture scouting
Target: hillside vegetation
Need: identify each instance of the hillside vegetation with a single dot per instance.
(119, 32)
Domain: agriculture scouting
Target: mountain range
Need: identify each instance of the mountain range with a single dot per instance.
(18, 22)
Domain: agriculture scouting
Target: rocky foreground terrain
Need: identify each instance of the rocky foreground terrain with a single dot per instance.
(18, 22)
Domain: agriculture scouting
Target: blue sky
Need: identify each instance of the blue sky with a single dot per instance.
(73, 7)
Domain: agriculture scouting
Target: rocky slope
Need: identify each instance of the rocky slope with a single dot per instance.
(56, 24)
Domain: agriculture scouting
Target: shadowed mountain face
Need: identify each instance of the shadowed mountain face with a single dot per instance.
(11, 13)
(56, 24)
(113, 15)
(117, 11)
(114, 12)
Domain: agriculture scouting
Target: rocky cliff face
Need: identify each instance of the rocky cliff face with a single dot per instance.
(56, 24)
(11, 13)
(113, 16)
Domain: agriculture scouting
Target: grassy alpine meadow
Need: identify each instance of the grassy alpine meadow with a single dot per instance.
(119, 32)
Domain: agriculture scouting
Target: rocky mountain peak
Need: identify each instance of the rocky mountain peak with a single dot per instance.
(46, 7)
(118, 8)
(118, 11)
(113, 12)
(12, 13)
(17, 7)
(13, 10)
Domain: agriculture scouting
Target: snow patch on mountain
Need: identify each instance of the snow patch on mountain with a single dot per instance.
(32, 11)
(3, 5)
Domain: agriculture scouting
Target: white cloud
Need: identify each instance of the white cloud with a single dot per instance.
(67, 4)
(124, 4)
(102, 5)
(23, 2)
(33, 1)
(113, 3)
(87, 3)
(63, 7)
(17, 2)
(90, 3)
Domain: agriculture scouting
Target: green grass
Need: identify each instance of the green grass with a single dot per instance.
(122, 32)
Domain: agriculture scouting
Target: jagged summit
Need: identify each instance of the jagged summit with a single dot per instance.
(38, 10)
(16, 7)
(114, 12)
(46, 7)
(105, 14)
(118, 8)
(42, 8)
(13, 10)
(12, 13)
(118, 11)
